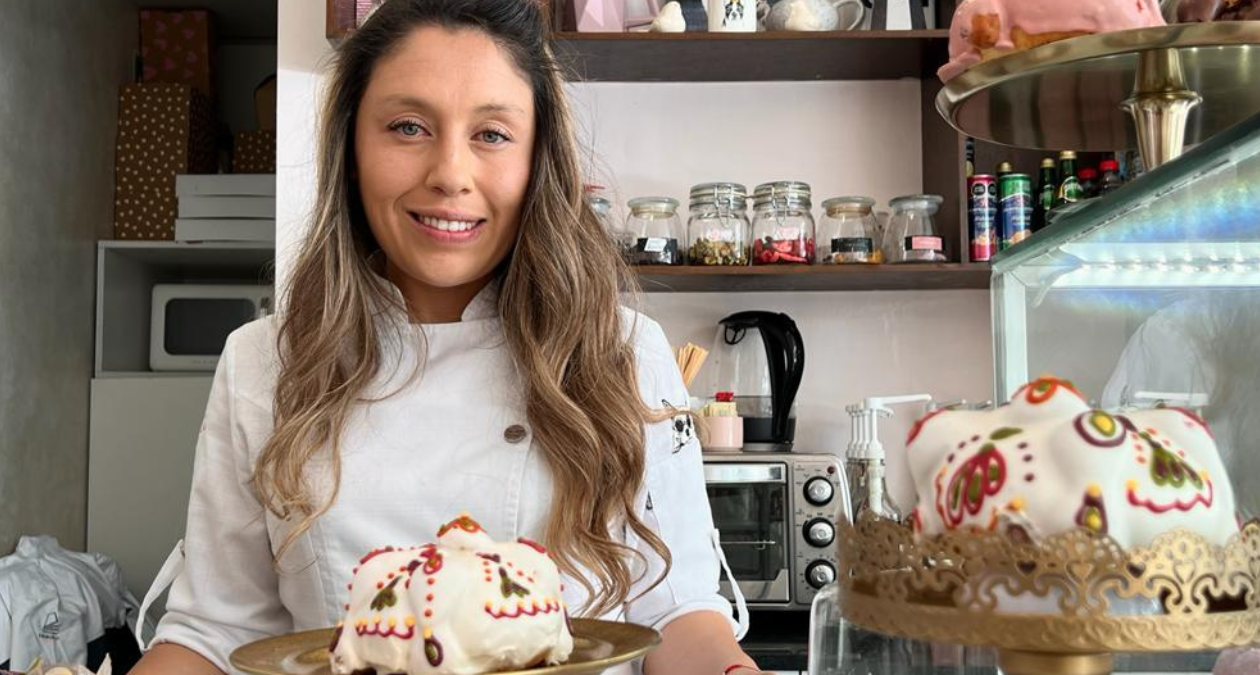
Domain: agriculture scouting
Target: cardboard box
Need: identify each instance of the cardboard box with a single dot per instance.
(163, 130)
(254, 152)
(178, 46)
(265, 104)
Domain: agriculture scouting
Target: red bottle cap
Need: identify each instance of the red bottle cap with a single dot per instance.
(1088, 174)
(1109, 165)
(725, 396)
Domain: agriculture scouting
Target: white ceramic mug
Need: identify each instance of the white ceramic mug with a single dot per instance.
(858, 17)
(732, 16)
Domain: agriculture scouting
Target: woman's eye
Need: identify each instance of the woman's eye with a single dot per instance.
(493, 137)
(407, 128)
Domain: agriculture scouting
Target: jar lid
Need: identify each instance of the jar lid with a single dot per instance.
(917, 202)
(786, 192)
(733, 194)
(662, 205)
(599, 204)
(836, 205)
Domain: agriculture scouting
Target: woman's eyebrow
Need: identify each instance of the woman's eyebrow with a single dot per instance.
(412, 101)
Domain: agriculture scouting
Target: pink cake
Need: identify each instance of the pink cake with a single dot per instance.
(985, 29)
(1047, 463)
(463, 605)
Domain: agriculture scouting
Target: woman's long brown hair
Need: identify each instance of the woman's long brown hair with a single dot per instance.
(558, 302)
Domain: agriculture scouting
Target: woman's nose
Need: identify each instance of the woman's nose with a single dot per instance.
(451, 173)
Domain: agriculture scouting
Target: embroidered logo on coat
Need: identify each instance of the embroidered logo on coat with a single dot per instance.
(682, 426)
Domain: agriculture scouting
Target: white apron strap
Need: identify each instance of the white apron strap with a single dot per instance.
(741, 608)
(165, 577)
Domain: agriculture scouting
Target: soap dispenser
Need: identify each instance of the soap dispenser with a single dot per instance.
(837, 647)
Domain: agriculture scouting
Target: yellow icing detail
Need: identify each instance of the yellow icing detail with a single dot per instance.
(535, 604)
(376, 619)
(1131, 485)
(410, 622)
(340, 624)
(1094, 490)
(1203, 474)
(1093, 521)
(489, 606)
(1104, 423)
(361, 623)
(520, 605)
(392, 622)
(1017, 504)
(428, 633)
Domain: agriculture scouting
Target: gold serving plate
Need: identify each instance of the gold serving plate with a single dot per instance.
(1150, 88)
(597, 645)
(1060, 606)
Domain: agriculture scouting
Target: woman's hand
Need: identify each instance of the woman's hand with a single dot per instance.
(699, 643)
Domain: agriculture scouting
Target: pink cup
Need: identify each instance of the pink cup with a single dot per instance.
(723, 434)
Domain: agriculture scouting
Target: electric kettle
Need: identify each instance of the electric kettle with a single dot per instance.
(759, 357)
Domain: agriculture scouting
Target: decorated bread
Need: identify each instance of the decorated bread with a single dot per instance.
(985, 29)
(1047, 462)
(463, 605)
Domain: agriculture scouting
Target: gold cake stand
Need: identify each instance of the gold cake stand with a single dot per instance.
(597, 646)
(1059, 607)
(1178, 85)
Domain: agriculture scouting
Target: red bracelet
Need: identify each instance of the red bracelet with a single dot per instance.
(736, 666)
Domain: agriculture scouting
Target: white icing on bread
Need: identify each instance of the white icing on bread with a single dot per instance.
(461, 606)
(1046, 463)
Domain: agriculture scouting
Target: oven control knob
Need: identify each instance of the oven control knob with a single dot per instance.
(819, 532)
(818, 491)
(820, 573)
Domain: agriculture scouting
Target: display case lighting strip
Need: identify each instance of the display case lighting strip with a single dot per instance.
(1166, 253)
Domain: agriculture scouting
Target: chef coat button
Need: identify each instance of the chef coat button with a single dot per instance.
(515, 434)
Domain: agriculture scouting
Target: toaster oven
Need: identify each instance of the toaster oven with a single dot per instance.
(776, 515)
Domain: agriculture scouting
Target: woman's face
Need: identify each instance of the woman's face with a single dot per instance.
(443, 145)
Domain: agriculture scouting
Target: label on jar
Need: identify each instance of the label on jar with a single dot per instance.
(924, 243)
(720, 234)
(787, 233)
(851, 245)
(655, 244)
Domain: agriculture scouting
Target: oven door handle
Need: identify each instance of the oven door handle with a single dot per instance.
(727, 474)
(762, 544)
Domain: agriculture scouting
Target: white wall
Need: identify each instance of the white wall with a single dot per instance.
(61, 62)
(843, 137)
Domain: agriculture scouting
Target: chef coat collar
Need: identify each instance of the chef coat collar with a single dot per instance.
(485, 305)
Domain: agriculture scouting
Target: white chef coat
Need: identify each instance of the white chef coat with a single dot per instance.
(411, 462)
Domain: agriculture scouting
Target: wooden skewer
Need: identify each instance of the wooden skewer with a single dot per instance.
(690, 358)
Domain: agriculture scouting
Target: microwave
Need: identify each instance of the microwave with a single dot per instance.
(190, 323)
(776, 517)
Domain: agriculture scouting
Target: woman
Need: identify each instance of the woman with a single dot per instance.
(451, 342)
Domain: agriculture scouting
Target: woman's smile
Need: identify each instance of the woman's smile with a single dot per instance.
(448, 227)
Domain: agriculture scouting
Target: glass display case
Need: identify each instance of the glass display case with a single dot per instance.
(1150, 295)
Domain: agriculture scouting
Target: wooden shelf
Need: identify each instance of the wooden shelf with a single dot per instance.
(937, 276)
(747, 57)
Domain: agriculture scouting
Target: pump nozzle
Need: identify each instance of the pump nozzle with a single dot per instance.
(864, 416)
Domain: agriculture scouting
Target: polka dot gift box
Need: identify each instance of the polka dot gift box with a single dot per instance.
(254, 152)
(163, 130)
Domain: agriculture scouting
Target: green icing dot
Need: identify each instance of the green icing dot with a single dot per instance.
(1004, 432)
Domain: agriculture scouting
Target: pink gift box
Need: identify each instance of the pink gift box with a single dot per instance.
(177, 46)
